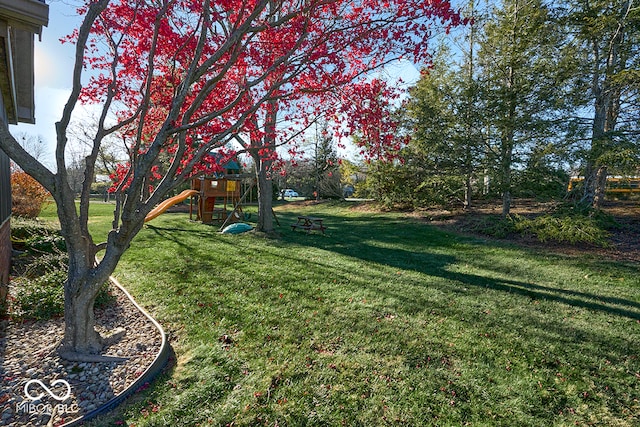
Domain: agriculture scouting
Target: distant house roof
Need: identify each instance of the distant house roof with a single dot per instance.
(30, 15)
(20, 21)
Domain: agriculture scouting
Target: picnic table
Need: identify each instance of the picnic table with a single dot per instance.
(309, 223)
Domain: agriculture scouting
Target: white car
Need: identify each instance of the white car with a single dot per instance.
(290, 193)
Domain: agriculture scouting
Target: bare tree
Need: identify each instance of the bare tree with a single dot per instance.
(34, 145)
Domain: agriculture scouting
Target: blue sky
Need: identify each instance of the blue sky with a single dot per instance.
(53, 69)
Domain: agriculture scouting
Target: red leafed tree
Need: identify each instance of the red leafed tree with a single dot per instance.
(369, 107)
(176, 79)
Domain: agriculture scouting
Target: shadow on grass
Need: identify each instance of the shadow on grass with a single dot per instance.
(362, 238)
(295, 306)
(384, 240)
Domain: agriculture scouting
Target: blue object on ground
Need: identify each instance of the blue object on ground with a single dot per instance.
(237, 228)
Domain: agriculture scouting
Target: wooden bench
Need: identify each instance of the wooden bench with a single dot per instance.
(309, 223)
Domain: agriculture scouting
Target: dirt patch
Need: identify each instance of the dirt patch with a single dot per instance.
(624, 240)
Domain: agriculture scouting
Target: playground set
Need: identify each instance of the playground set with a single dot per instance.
(214, 196)
(213, 199)
(217, 199)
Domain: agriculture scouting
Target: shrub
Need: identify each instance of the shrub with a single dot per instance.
(492, 225)
(43, 298)
(40, 247)
(40, 299)
(46, 264)
(42, 271)
(28, 195)
(568, 229)
(568, 223)
(23, 229)
(48, 244)
(28, 229)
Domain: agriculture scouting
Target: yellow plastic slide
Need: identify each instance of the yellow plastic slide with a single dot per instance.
(168, 203)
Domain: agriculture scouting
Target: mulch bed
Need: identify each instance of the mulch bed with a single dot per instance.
(624, 240)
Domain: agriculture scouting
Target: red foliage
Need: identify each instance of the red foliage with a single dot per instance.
(369, 106)
(186, 77)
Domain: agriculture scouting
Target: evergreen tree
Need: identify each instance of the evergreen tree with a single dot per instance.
(604, 43)
(326, 164)
(519, 52)
(446, 115)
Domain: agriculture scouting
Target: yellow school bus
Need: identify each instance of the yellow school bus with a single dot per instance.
(615, 184)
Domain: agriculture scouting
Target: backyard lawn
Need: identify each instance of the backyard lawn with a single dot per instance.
(384, 320)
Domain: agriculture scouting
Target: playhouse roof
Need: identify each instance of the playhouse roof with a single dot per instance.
(229, 166)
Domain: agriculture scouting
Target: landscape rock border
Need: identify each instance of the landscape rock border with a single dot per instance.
(38, 387)
(147, 376)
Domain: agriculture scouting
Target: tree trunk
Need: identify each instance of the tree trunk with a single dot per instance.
(80, 336)
(595, 176)
(85, 277)
(506, 203)
(263, 164)
(469, 114)
(607, 104)
(507, 154)
(84, 280)
(265, 196)
(591, 173)
(600, 187)
(588, 186)
(467, 192)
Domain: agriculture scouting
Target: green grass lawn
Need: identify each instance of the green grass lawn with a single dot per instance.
(383, 321)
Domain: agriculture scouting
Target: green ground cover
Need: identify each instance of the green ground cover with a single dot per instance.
(383, 321)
